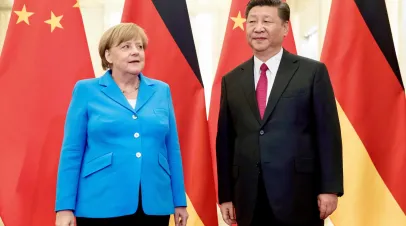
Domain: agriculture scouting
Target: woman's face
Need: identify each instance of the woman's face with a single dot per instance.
(127, 57)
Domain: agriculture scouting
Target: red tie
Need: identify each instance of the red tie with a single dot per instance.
(261, 91)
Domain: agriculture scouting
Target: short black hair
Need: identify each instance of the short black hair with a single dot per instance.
(283, 7)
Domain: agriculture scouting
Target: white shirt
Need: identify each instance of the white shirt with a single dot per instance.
(132, 102)
(273, 65)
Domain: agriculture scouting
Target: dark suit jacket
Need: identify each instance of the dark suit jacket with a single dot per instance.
(297, 145)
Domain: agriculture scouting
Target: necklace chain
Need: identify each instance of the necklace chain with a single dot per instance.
(135, 89)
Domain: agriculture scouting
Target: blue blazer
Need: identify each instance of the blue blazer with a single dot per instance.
(110, 149)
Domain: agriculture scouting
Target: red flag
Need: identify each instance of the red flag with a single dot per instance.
(361, 59)
(171, 57)
(289, 42)
(45, 53)
(234, 52)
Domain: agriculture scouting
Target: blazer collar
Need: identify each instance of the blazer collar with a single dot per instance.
(248, 86)
(111, 89)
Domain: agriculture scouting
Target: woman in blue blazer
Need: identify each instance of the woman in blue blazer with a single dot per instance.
(120, 161)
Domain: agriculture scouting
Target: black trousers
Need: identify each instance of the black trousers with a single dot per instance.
(139, 218)
(263, 215)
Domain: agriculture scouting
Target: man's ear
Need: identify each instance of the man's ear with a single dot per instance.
(285, 28)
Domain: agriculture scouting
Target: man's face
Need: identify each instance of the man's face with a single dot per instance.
(264, 28)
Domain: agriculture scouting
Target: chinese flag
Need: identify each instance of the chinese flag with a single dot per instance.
(45, 53)
(361, 59)
(171, 57)
(235, 51)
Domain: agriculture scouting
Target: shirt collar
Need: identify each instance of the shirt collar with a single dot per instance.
(272, 63)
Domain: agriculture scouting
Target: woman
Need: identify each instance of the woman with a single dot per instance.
(120, 162)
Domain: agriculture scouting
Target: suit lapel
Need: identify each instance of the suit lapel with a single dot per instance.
(145, 92)
(248, 86)
(287, 69)
(111, 89)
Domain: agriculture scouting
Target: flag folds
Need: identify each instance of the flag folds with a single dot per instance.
(44, 54)
(171, 57)
(360, 56)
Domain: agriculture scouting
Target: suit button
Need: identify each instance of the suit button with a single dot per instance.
(259, 167)
(136, 135)
(135, 117)
(138, 154)
(261, 132)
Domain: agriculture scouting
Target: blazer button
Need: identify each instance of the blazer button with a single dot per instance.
(138, 154)
(261, 132)
(135, 117)
(136, 135)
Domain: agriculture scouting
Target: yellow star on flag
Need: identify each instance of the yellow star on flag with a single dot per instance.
(238, 21)
(55, 21)
(77, 4)
(23, 15)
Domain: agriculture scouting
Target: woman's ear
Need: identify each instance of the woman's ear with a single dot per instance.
(107, 55)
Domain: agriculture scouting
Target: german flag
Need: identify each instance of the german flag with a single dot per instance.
(171, 57)
(45, 53)
(361, 59)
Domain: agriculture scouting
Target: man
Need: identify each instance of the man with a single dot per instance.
(279, 151)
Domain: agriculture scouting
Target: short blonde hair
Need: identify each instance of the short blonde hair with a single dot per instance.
(118, 34)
